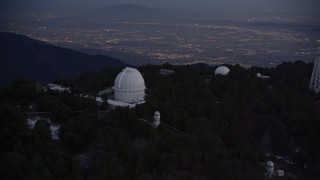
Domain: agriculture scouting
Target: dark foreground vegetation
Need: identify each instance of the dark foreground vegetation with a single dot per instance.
(234, 121)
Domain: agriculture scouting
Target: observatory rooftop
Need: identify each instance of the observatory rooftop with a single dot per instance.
(129, 79)
(222, 70)
(128, 87)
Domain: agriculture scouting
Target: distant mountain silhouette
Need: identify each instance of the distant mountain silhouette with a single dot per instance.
(129, 7)
(125, 10)
(129, 11)
(21, 56)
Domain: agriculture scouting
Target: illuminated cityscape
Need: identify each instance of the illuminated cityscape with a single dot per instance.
(245, 41)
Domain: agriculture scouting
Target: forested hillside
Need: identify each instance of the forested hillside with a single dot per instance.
(21, 56)
(234, 121)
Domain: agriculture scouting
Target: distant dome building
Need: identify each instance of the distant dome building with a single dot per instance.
(269, 168)
(222, 70)
(156, 119)
(259, 75)
(129, 86)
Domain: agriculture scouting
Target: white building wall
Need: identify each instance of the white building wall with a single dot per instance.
(129, 96)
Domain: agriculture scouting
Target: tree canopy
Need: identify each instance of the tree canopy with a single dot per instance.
(233, 120)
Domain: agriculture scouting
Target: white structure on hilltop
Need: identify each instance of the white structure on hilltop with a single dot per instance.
(156, 119)
(259, 75)
(222, 70)
(279, 172)
(59, 88)
(166, 72)
(129, 88)
(106, 91)
(269, 168)
(98, 99)
(315, 77)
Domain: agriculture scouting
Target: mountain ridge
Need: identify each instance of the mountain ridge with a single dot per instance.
(21, 56)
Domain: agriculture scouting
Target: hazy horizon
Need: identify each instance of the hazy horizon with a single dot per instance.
(244, 6)
(248, 32)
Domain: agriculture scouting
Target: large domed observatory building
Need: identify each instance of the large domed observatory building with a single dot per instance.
(129, 88)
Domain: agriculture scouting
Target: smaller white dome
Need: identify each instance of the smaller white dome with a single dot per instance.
(259, 75)
(157, 113)
(222, 70)
(270, 164)
(269, 168)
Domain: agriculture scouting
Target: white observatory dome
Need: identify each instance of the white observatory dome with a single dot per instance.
(129, 86)
(270, 164)
(269, 168)
(222, 70)
(259, 75)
